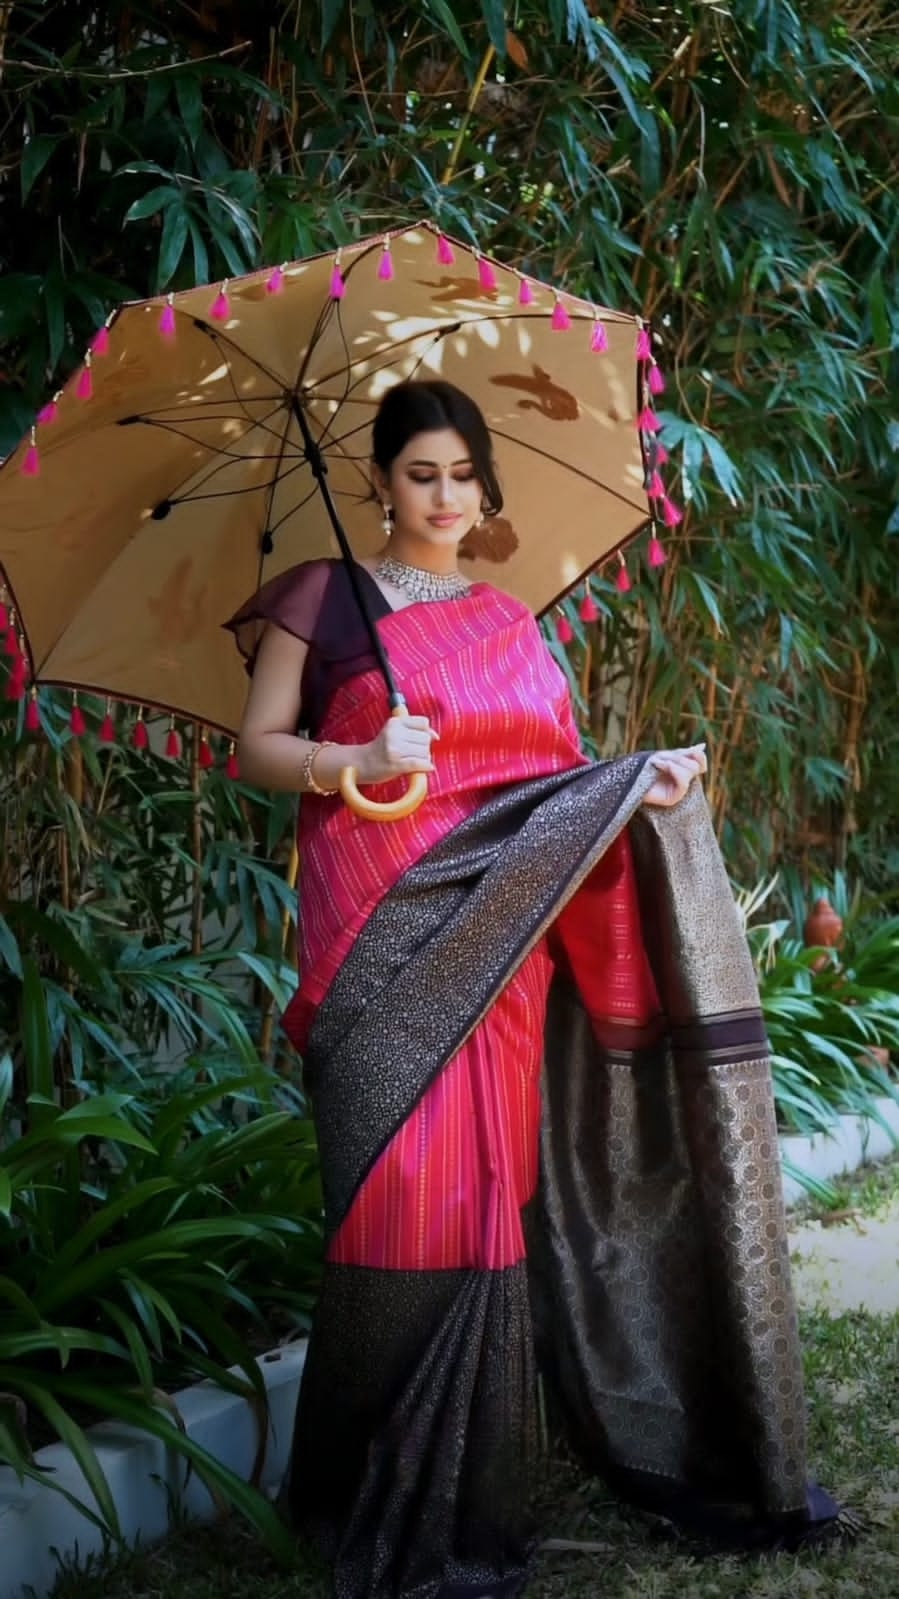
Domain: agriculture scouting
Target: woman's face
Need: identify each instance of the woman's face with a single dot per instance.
(432, 488)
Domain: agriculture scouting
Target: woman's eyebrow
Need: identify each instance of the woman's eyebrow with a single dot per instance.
(466, 461)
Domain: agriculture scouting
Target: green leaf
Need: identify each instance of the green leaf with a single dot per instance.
(7, 1078)
(9, 949)
(442, 14)
(171, 246)
(151, 203)
(35, 155)
(494, 14)
(37, 1047)
(251, 1504)
(332, 11)
(75, 1439)
(189, 95)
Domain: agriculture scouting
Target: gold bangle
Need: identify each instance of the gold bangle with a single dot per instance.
(309, 783)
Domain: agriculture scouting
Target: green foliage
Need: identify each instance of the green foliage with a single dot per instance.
(826, 1012)
(146, 1240)
(731, 171)
(159, 1201)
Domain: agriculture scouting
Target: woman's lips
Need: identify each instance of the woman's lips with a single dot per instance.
(442, 521)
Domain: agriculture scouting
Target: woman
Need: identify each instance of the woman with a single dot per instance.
(541, 919)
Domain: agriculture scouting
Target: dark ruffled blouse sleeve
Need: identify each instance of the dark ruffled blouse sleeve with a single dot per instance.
(292, 600)
(313, 601)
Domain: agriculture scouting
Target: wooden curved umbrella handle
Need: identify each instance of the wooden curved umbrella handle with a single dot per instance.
(388, 810)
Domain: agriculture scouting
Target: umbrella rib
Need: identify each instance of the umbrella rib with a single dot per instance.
(279, 477)
(219, 337)
(274, 527)
(156, 419)
(396, 350)
(229, 455)
(332, 308)
(230, 494)
(458, 326)
(577, 471)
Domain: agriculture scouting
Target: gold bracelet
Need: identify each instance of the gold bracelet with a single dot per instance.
(309, 783)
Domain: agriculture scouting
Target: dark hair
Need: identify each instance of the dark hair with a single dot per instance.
(424, 406)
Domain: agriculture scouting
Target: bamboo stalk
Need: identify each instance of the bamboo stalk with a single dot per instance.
(477, 86)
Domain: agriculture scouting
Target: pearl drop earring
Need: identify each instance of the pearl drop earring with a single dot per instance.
(387, 524)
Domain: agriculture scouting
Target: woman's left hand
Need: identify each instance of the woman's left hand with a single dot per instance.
(676, 769)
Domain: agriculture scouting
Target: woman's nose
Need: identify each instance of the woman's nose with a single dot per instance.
(445, 489)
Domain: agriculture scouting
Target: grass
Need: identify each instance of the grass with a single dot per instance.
(852, 1367)
(852, 1376)
(868, 1191)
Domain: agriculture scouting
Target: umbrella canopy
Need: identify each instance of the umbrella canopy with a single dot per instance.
(171, 477)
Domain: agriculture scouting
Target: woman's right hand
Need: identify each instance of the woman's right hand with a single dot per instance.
(403, 746)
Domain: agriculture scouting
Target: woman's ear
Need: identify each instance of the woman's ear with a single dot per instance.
(379, 483)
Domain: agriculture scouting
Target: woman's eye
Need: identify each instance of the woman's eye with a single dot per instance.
(458, 477)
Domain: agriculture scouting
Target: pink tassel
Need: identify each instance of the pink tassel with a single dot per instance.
(671, 513)
(656, 490)
(599, 339)
(560, 321)
(623, 580)
(661, 455)
(276, 281)
(107, 729)
(4, 615)
(100, 342)
(77, 723)
(656, 380)
(15, 686)
(486, 275)
(140, 738)
(232, 766)
(31, 465)
(657, 556)
(205, 755)
(644, 346)
(446, 255)
(589, 610)
(167, 321)
(33, 716)
(173, 743)
(11, 642)
(647, 421)
(85, 385)
(525, 293)
(385, 268)
(338, 286)
(564, 630)
(48, 413)
(220, 310)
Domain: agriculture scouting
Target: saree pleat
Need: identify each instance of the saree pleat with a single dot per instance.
(415, 1432)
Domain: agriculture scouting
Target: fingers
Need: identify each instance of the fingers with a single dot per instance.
(407, 744)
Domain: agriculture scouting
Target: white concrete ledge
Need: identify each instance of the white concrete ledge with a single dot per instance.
(150, 1484)
(853, 1141)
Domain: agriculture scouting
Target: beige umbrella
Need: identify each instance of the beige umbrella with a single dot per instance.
(182, 467)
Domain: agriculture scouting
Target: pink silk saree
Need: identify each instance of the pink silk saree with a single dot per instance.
(537, 1066)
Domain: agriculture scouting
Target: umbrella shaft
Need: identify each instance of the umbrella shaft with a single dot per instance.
(319, 469)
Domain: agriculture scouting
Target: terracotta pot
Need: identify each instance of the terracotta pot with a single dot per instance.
(823, 926)
(875, 1055)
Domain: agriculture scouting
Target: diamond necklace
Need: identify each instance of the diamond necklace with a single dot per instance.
(420, 584)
